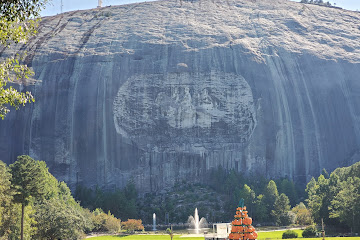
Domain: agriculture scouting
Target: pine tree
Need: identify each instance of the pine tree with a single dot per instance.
(281, 210)
(28, 180)
(270, 195)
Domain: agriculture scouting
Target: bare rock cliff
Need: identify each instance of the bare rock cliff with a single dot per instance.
(162, 91)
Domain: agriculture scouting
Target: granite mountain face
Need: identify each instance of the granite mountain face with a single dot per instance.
(165, 91)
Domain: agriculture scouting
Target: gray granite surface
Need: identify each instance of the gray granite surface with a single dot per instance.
(160, 92)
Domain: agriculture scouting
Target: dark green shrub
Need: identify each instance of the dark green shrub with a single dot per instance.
(289, 234)
(309, 232)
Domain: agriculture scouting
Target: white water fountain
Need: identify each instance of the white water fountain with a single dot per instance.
(154, 222)
(196, 224)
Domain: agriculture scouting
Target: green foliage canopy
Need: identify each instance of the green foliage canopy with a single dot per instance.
(317, 2)
(249, 197)
(289, 234)
(271, 192)
(336, 199)
(5, 189)
(281, 212)
(309, 232)
(121, 203)
(260, 209)
(37, 205)
(303, 215)
(346, 204)
(18, 19)
(105, 222)
(17, 24)
(28, 179)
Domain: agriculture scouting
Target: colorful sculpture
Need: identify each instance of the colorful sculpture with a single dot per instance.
(241, 226)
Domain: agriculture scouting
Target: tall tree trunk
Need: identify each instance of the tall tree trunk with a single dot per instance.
(22, 220)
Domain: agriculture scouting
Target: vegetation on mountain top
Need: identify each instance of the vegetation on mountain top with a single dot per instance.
(317, 2)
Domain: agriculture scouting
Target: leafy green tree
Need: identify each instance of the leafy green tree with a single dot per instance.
(303, 215)
(42, 207)
(249, 197)
(131, 196)
(281, 210)
(325, 194)
(99, 197)
(260, 214)
(311, 187)
(58, 220)
(271, 192)
(28, 180)
(325, 173)
(85, 195)
(309, 232)
(59, 216)
(5, 190)
(346, 204)
(334, 184)
(17, 24)
(115, 202)
(336, 199)
(122, 203)
(20, 11)
(344, 173)
(288, 187)
(64, 194)
(14, 222)
(316, 196)
(8, 211)
(270, 195)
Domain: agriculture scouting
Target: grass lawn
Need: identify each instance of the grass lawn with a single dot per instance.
(262, 236)
(276, 234)
(145, 237)
(335, 238)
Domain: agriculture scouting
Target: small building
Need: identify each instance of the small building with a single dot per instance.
(220, 231)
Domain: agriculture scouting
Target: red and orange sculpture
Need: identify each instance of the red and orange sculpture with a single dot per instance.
(241, 226)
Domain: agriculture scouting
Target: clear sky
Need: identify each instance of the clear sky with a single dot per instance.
(346, 4)
(54, 8)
